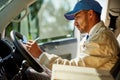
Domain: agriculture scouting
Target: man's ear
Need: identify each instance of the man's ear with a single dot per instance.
(90, 12)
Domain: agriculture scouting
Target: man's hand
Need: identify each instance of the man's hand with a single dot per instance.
(33, 48)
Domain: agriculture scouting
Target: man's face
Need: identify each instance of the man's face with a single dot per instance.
(81, 21)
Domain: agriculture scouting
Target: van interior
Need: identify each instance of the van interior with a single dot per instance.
(44, 19)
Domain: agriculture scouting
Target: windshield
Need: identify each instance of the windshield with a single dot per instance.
(46, 20)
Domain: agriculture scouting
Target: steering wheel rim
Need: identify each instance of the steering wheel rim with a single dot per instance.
(30, 59)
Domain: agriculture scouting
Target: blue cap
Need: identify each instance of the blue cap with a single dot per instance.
(84, 5)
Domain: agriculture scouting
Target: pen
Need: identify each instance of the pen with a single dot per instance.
(36, 39)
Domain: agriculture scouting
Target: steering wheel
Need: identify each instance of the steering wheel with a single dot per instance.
(16, 37)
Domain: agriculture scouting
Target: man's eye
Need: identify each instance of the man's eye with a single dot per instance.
(77, 17)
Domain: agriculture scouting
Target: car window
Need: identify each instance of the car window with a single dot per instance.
(52, 23)
(46, 20)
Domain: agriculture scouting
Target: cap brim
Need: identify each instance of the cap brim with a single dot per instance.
(70, 15)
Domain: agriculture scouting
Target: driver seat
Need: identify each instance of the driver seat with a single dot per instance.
(115, 71)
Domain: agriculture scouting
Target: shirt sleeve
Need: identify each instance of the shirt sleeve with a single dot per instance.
(50, 59)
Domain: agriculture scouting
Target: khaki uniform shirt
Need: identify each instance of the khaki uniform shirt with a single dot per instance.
(99, 51)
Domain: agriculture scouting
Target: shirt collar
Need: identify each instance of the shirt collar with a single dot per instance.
(96, 28)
